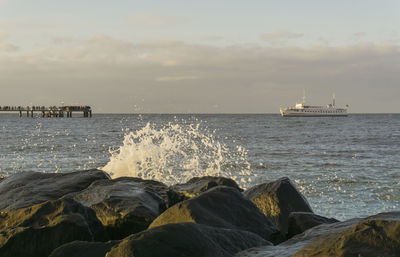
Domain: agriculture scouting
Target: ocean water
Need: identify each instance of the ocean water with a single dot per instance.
(345, 166)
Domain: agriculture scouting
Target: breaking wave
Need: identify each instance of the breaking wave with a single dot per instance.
(175, 153)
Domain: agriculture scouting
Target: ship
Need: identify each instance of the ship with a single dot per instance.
(304, 110)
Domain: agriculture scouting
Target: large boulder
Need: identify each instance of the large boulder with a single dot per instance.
(125, 205)
(377, 235)
(83, 249)
(277, 200)
(28, 188)
(198, 185)
(169, 195)
(222, 207)
(39, 229)
(302, 221)
(186, 240)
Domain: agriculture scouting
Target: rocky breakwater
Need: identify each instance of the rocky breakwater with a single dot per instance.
(35, 219)
(374, 236)
(86, 213)
(126, 205)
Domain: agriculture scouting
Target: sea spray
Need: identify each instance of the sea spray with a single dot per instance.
(175, 153)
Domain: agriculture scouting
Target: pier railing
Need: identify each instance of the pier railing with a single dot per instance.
(52, 111)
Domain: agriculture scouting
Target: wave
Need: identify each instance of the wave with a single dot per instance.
(174, 153)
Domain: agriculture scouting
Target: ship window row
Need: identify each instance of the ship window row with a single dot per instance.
(320, 111)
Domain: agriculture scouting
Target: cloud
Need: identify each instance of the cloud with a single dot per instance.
(100, 48)
(154, 21)
(177, 78)
(8, 47)
(212, 38)
(238, 78)
(65, 40)
(281, 35)
(3, 35)
(359, 35)
(324, 41)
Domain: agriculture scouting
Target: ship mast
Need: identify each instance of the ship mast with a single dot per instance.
(333, 100)
(304, 97)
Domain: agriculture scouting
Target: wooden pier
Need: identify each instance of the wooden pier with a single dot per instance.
(52, 111)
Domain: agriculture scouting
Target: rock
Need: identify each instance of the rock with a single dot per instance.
(277, 200)
(186, 240)
(169, 195)
(125, 205)
(223, 207)
(301, 221)
(83, 249)
(377, 235)
(39, 229)
(198, 185)
(28, 188)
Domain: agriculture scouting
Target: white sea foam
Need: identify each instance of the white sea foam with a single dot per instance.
(175, 153)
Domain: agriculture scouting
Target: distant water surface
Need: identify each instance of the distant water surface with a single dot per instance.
(345, 166)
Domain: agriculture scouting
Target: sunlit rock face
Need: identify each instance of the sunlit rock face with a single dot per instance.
(222, 207)
(39, 229)
(277, 200)
(377, 235)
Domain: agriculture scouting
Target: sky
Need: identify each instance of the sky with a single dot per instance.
(187, 56)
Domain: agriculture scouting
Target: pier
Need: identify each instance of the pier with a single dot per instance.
(52, 111)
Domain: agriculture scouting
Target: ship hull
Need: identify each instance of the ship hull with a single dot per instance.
(314, 115)
(286, 113)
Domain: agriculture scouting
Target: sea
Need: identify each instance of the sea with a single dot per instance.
(345, 166)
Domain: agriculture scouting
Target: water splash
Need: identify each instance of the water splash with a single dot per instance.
(175, 153)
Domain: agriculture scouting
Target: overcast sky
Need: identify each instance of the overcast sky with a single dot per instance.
(206, 56)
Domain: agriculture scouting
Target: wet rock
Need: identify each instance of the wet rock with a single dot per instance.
(277, 200)
(186, 240)
(39, 229)
(28, 188)
(198, 185)
(84, 249)
(301, 221)
(222, 207)
(377, 235)
(169, 195)
(125, 205)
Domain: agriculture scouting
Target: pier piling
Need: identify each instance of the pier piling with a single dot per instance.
(52, 111)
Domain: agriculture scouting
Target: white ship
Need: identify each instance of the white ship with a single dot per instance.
(304, 110)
